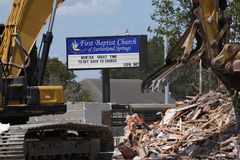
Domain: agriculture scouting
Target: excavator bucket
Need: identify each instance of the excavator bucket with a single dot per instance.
(177, 61)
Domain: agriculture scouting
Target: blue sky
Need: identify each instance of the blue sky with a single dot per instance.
(80, 18)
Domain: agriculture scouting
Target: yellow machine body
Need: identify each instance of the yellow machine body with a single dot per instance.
(26, 20)
(51, 95)
(20, 98)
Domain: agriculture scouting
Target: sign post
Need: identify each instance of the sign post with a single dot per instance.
(104, 53)
(106, 98)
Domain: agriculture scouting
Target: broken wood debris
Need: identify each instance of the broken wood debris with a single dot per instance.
(200, 127)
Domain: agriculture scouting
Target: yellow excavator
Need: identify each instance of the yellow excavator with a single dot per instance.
(206, 38)
(22, 93)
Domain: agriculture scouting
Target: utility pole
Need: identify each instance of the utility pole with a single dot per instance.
(165, 56)
(106, 95)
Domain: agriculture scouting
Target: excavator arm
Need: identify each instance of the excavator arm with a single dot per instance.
(24, 24)
(210, 29)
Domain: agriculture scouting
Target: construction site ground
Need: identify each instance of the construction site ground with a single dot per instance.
(75, 113)
(200, 127)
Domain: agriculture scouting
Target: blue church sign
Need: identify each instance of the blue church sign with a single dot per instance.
(106, 52)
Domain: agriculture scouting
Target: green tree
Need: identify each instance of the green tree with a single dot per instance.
(155, 58)
(58, 74)
(73, 93)
(233, 13)
(188, 83)
(85, 96)
(171, 18)
(126, 73)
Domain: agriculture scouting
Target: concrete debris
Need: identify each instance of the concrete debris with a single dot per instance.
(116, 153)
(4, 127)
(127, 152)
(201, 127)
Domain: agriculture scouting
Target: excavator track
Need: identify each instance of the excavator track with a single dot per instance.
(56, 141)
(12, 144)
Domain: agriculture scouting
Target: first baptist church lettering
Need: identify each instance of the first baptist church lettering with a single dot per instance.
(103, 43)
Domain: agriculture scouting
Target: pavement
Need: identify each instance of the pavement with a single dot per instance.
(75, 113)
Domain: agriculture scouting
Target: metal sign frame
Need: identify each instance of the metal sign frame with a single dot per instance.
(140, 47)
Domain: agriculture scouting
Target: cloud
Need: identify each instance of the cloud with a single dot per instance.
(90, 7)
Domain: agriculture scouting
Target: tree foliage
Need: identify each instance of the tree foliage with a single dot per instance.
(188, 84)
(155, 55)
(73, 92)
(233, 13)
(171, 18)
(155, 58)
(58, 74)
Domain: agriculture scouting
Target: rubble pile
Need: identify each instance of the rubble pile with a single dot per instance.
(201, 127)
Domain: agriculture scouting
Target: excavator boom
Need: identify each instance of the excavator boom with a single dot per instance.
(25, 22)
